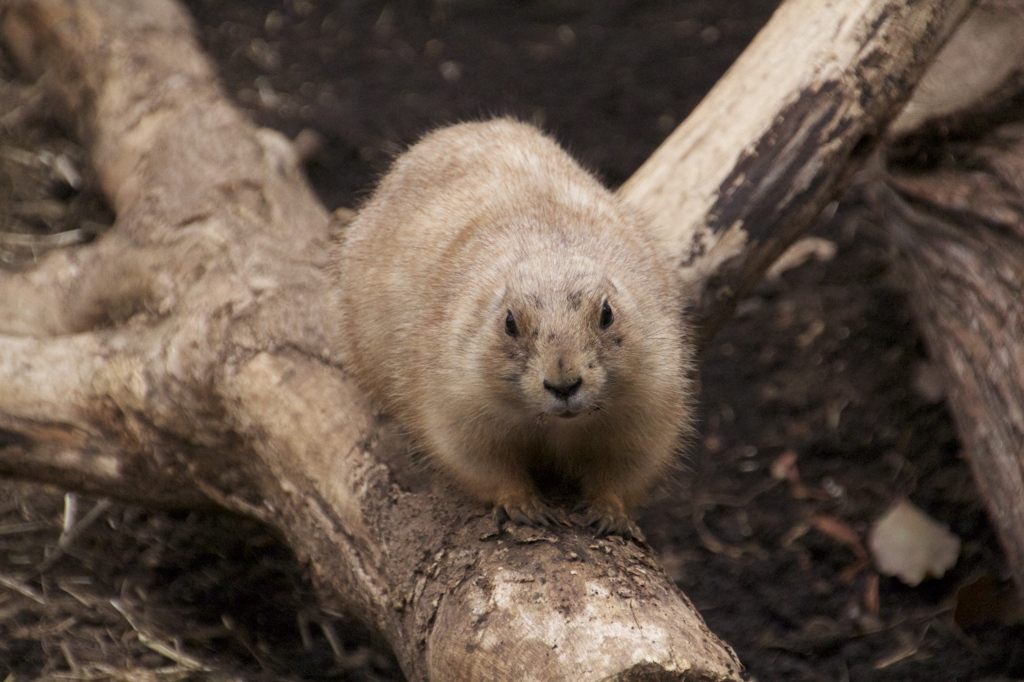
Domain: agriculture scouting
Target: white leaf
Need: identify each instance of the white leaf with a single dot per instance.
(911, 545)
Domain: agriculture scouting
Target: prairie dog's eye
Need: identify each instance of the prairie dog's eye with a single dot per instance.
(510, 325)
(606, 315)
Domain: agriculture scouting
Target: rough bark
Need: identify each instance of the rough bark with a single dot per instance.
(182, 358)
(965, 262)
(959, 228)
(763, 154)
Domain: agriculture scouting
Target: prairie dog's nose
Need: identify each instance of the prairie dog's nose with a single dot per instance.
(563, 390)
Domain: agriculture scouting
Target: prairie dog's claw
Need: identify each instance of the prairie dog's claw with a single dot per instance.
(607, 522)
(529, 512)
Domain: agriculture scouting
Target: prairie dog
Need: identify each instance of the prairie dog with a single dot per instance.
(516, 317)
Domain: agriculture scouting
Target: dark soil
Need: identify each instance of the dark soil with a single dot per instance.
(822, 364)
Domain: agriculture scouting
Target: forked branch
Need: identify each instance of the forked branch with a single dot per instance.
(189, 345)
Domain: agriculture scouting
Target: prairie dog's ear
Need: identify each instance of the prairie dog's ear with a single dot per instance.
(341, 217)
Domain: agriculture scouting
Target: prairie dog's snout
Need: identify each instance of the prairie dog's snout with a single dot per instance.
(563, 388)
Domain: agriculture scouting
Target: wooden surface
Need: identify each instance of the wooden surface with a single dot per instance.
(961, 236)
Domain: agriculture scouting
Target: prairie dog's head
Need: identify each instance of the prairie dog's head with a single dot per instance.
(560, 340)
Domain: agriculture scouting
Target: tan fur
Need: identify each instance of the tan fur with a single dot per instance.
(480, 220)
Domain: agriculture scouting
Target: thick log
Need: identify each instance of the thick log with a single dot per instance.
(959, 228)
(183, 357)
(961, 234)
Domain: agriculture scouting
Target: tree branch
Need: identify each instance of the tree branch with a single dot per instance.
(773, 142)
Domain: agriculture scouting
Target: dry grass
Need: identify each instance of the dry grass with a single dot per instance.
(92, 590)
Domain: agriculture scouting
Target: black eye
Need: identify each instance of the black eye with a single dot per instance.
(606, 315)
(510, 325)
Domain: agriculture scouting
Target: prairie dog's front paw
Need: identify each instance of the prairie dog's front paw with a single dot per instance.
(527, 509)
(609, 517)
